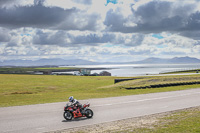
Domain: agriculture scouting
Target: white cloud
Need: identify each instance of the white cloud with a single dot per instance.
(94, 30)
(15, 3)
(65, 4)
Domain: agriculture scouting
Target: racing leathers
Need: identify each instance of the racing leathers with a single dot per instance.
(76, 103)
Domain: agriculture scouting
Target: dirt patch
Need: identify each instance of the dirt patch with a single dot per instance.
(124, 125)
(23, 92)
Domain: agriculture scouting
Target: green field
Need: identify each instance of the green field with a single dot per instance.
(28, 70)
(186, 121)
(35, 89)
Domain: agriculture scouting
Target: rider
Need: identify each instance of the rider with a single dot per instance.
(75, 102)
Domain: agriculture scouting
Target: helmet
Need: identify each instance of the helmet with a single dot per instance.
(71, 98)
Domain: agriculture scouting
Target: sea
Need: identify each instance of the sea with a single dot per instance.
(129, 70)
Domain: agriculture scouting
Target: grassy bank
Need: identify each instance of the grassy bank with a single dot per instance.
(155, 80)
(187, 121)
(35, 89)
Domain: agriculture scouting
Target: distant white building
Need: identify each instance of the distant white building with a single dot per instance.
(77, 73)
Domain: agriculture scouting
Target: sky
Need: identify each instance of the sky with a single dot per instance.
(99, 30)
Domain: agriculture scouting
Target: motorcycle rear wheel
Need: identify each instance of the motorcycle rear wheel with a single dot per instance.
(68, 115)
(89, 113)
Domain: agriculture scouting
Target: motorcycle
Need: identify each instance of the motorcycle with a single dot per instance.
(71, 111)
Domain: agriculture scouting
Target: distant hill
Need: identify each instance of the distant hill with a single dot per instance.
(184, 60)
(176, 60)
(59, 62)
(152, 60)
(46, 62)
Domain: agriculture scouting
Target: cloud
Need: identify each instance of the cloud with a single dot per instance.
(86, 2)
(4, 35)
(114, 21)
(66, 39)
(191, 34)
(97, 30)
(155, 17)
(40, 16)
(77, 39)
(49, 38)
(15, 3)
(125, 17)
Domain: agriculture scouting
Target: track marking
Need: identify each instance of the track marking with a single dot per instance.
(40, 128)
(164, 107)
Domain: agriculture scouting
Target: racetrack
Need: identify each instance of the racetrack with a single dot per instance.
(49, 117)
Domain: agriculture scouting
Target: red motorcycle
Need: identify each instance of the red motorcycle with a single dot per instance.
(71, 111)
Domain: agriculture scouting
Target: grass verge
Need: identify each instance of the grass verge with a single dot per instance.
(155, 80)
(30, 70)
(36, 89)
(186, 121)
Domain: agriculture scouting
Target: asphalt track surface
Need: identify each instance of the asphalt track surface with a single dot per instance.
(49, 117)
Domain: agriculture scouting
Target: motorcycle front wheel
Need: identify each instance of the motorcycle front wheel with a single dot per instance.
(68, 115)
(88, 113)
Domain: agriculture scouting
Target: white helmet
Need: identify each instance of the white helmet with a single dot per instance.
(71, 98)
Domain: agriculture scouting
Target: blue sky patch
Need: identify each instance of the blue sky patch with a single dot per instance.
(111, 1)
(161, 46)
(108, 45)
(157, 36)
(25, 34)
